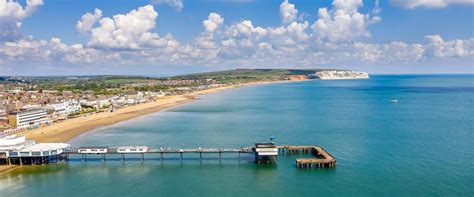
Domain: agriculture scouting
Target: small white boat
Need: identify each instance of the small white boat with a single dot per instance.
(394, 101)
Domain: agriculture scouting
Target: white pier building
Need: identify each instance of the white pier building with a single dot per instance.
(17, 150)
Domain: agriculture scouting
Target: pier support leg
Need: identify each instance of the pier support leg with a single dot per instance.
(239, 155)
(181, 156)
(122, 157)
(21, 162)
(200, 155)
(220, 155)
(143, 157)
(161, 154)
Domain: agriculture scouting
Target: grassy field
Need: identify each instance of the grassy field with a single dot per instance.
(248, 75)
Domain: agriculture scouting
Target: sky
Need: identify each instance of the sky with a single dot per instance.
(170, 37)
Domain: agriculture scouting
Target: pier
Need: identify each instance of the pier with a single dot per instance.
(16, 150)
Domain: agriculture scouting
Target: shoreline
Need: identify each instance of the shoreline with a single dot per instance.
(68, 129)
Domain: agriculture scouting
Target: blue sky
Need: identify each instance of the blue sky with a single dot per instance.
(393, 36)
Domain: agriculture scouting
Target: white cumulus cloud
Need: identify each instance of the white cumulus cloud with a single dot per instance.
(288, 12)
(430, 3)
(213, 21)
(454, 48)
(177, 4)
(332, 41)
(129, 31)
(343, 22)
(11, 15)
(43, 51)
(84, 25)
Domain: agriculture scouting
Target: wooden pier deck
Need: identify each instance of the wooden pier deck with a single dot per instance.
(322, 157)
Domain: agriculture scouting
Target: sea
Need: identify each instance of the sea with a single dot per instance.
(422, 145)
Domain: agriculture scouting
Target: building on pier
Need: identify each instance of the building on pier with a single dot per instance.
(133, 149)
(265, 152)
(93, 149)
(16, 150)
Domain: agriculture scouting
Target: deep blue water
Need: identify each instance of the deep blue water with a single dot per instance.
(422, 145)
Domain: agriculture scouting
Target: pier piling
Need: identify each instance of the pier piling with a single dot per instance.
(322, 157)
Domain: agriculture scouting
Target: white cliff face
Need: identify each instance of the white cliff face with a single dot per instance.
(339, 75)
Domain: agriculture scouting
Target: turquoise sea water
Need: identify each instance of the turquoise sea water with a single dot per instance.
(423, 145)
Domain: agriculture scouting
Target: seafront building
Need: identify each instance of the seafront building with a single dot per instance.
(28, 118)
(61, 110)
(22, 110)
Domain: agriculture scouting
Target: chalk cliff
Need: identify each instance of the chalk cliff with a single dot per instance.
(340, 74)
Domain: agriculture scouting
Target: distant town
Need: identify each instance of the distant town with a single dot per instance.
(31, 102)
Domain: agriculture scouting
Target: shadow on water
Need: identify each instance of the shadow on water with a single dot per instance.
(37, 170)
(77, 163)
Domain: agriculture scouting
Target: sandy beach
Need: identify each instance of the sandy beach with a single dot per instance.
(68, 129)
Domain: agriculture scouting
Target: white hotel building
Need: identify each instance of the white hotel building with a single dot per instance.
(28, 118)
(62, 109)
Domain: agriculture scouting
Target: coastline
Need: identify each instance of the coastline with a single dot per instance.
(68, 129)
